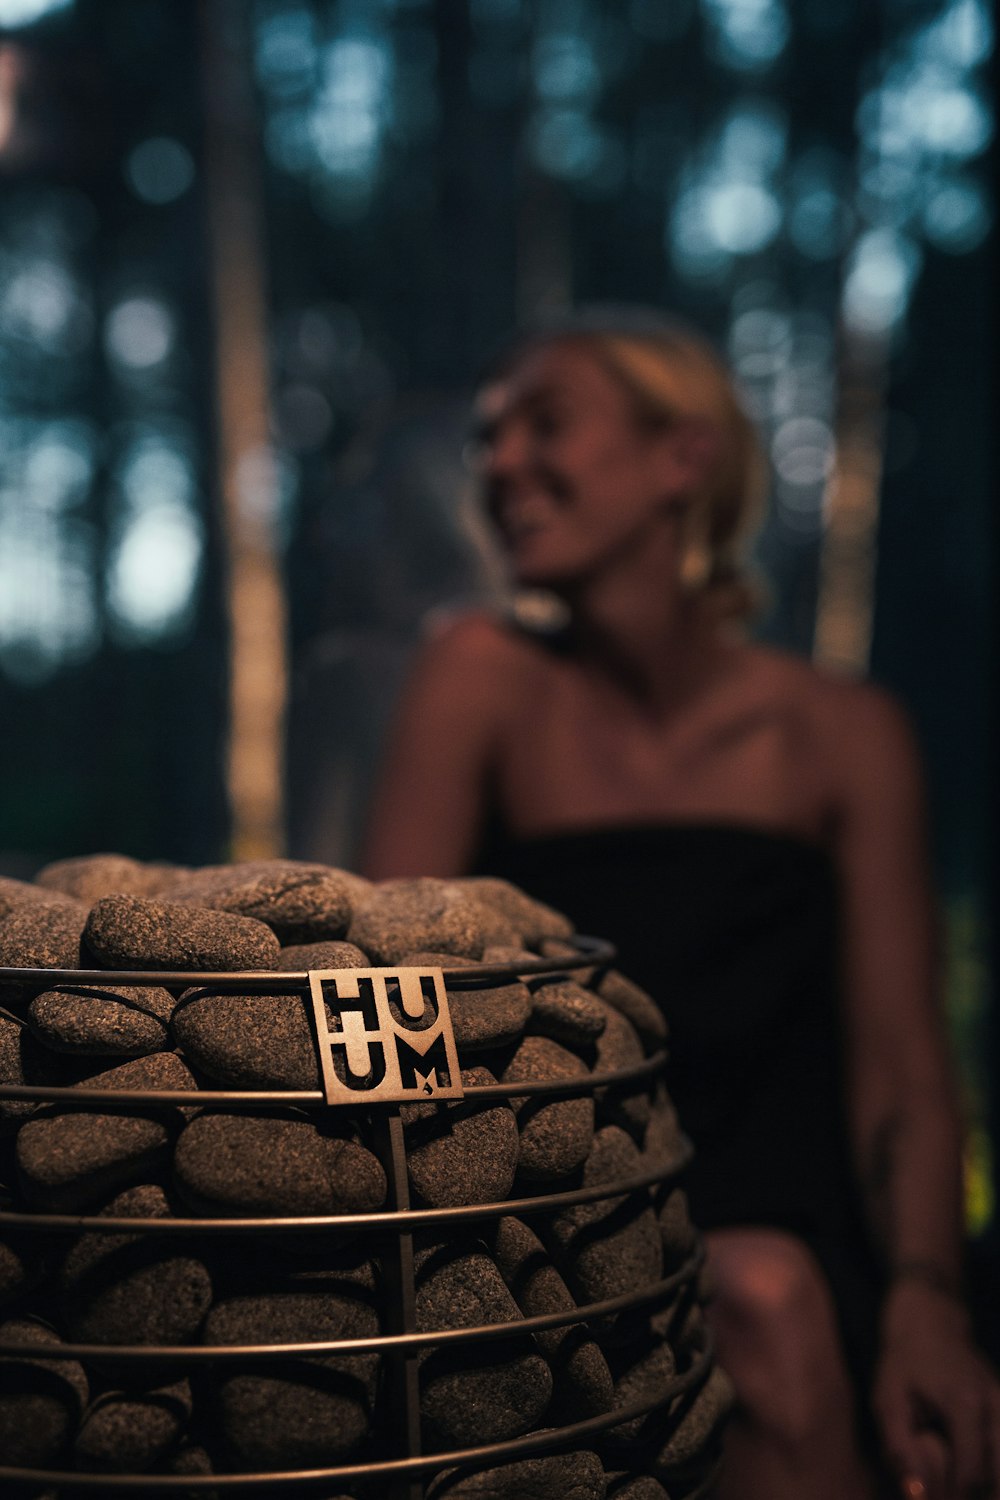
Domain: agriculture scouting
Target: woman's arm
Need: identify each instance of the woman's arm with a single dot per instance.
(433, 786)
(903, 1104)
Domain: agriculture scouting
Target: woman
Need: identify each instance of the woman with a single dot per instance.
(750, 832)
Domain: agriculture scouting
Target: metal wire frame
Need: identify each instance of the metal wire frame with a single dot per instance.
(545, 1441)
(401, 1344)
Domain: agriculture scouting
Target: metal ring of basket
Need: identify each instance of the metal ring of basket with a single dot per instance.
(591, 951)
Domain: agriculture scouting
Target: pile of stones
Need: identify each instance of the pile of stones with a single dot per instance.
(108, 1415)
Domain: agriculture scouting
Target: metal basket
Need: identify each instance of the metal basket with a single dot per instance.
(402, 1474)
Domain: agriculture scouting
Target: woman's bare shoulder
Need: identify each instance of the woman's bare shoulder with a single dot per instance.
(480, 640)
(861, 726)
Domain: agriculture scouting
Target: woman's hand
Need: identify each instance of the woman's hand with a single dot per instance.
(936, 1399)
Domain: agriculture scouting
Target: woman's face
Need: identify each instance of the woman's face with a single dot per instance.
(570, 479)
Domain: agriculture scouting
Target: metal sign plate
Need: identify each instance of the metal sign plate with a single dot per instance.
(384, 1036)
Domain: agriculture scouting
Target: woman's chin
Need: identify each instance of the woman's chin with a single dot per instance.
(537, 568)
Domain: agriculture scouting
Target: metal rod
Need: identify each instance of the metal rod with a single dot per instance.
(415, 1218)
(592, 951)
(549, 1440)
(409, 1339)
(309, 1098)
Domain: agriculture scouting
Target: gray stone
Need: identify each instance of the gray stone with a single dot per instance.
(570, 1476)
(306, 1417)
(475, 1394)
(259, 1166)
(302, 903)
(482, 1019)
(134, 1288)
(583, 1384)
(130, 932)
(69, 1159)
(612, 1245)
(40, 1399)
(461, 1152)
(326, 955)
(676, 1230)
(683, 1323)
(191, 1459)
(129, 1432)
(23, 1061)
(618, 1047)
(39, 934)
(635, 1487)
(317, 1408)
(664, 1145)
(319, 1308)
(25, 1263)
(125, 1020)
(554, 1138)
(645, 1378)
(12, 893)
(249, 1041)
(504, 953)
(687, 1433)
(567, 1013)
(583, 973)
(639, 1008)
(88, 877)
(532, 919)
(22, 895)
(404, 916)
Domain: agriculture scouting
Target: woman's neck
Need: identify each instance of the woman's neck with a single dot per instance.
(644, 635)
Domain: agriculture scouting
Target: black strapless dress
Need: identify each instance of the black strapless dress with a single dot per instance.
(734, 931)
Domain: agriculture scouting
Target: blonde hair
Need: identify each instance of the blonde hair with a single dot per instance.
(672, 374)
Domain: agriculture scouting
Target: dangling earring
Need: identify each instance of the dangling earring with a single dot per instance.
(696, 558)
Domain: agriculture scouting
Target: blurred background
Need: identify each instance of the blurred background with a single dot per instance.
(252, 254)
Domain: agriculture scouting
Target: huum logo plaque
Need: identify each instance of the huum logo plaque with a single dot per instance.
(384, 1035)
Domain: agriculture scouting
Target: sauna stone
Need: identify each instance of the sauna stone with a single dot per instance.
(43, 934)
(70, 1159)
(134, 1289)
(645, 1377)
(703, 1416)
(640, 1009)
(25, 1262)
(128, 1432)
(342, 1386)
(23, 1060)
(249, 1041)
(555, 1137)
(127, 1020)
(610, 1246)
(91, 876)
(482, 1019)
(619, 1047)
(301, 903)
(318, 1408)
(40, 1399)
(255, 1165)
(130, 932)
(583, 1383)
(622, 1486)
(460, 1152)
(677, 1233)
(405, 916)
(532, 919)
(567, 1013)
(332, 954)
(664, 1144)
(475, 1394)
(571, 1476)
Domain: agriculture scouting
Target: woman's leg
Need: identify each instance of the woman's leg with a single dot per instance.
(792, 1436)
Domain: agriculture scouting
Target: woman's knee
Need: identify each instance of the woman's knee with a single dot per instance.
(776, 1331)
